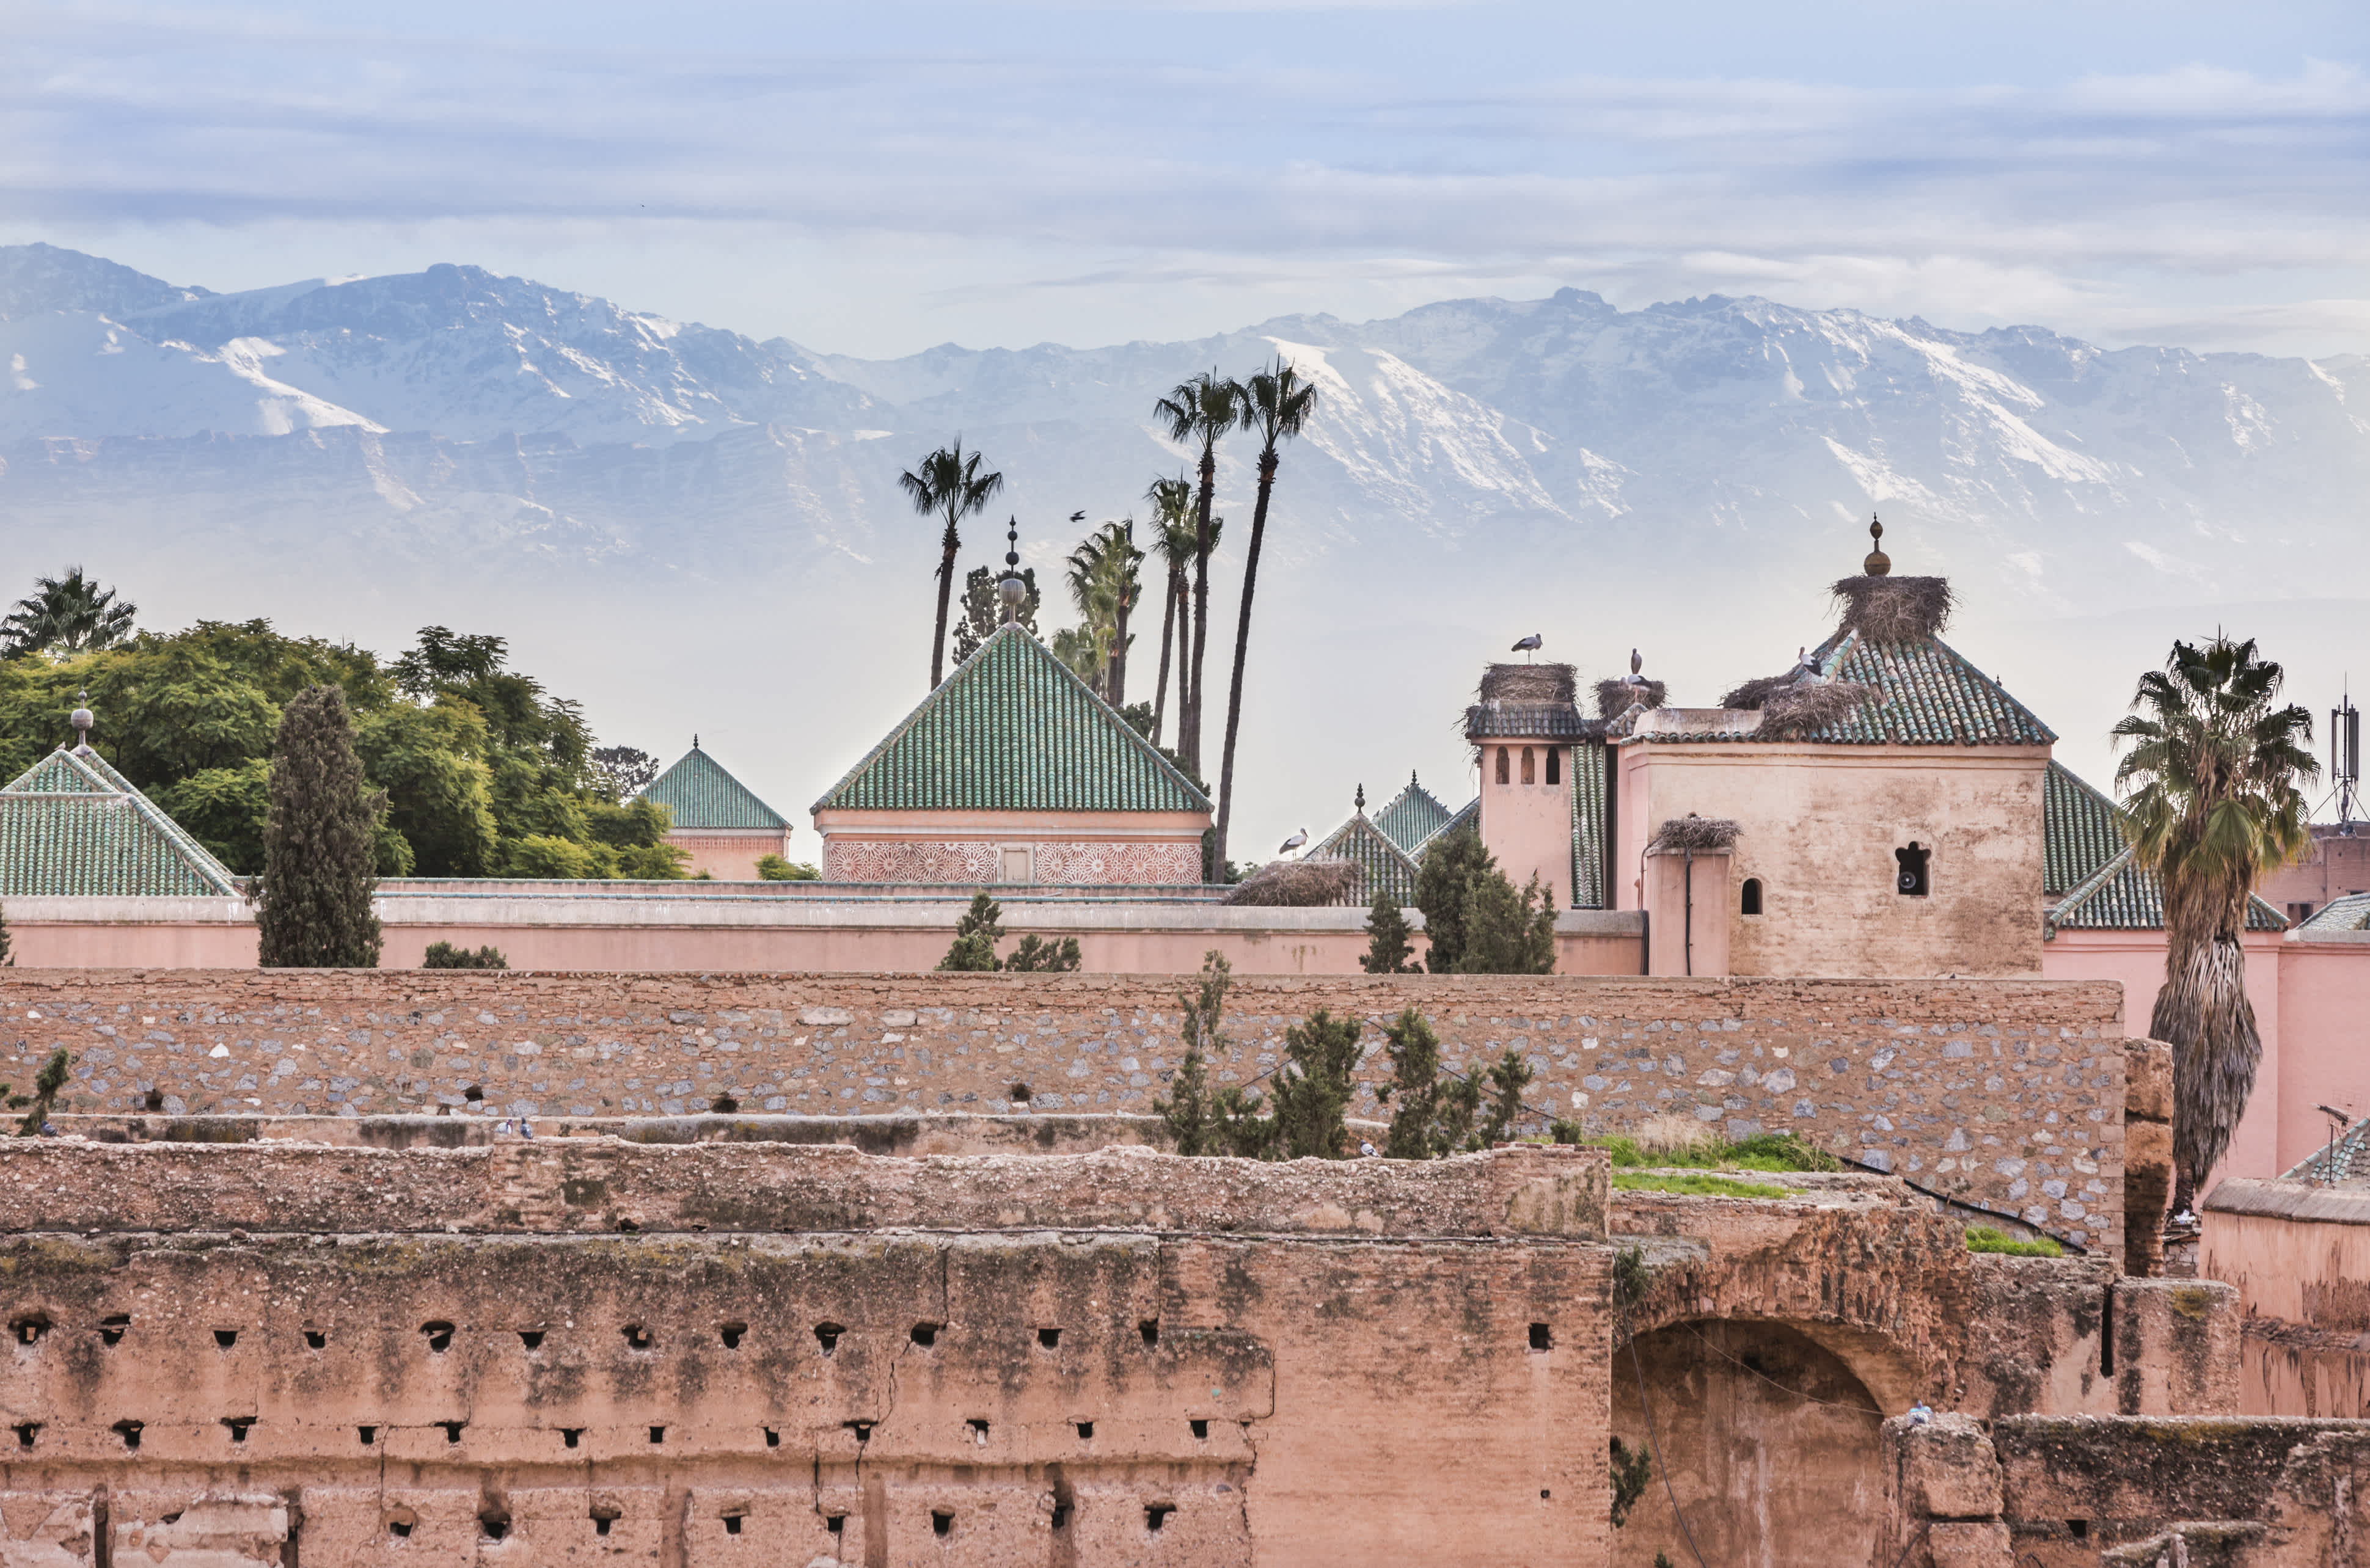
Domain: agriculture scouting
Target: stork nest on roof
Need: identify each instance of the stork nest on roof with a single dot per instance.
(1701, 834)
(1813, 706)
(1895, 610)
(1614, 698)
(1529, 685)
(1753, 693)
(1300, 884)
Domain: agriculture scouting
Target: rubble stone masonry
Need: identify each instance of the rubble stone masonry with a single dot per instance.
(2007, 1093)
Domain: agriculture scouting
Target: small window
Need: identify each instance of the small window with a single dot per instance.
(1751, 904)
(1555, 764)
(1530, 767)
(1502, 764)
(1015, 864)
(1911, 879)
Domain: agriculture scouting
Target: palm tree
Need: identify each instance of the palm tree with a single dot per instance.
(1275, 405)
(2214, 803)
(64, 615)
(1172, 522)
(948, 481)
(1104, 584)
(1203, 408)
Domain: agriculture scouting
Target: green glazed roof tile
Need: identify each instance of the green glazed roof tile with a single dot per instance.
(1930, 695)
(1387, 868)
(1586, 765)
(72, 826)
(1012, 730)
(1413, 816)
(2087, 870)
(701, 795)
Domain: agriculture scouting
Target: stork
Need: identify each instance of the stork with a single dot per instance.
(1530, 645)
(1293, 842)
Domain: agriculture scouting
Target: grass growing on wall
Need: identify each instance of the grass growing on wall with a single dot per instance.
(1985, 1239)
(1695, 1184)
(1685, 1148)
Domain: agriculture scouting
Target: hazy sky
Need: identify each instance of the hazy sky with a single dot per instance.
(872, 178)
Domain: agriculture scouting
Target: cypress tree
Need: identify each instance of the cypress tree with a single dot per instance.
(313, 901)
(1312, 1090)
(1442, 887)
(977, 934)
(1388, 944)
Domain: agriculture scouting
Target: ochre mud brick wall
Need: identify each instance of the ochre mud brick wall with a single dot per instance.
(1342, 1386)
(2008, 1092)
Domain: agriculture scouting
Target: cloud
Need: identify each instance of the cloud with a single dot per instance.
(1078, 174)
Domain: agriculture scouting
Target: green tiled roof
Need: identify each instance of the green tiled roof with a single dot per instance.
(2087, 870)
(72, 825)
(1388, 869)
(701, 795)
(1927, 694)
(1413, 816)
(2081, 831)
(1012, 730)
(1469, 817)
(1587, 774)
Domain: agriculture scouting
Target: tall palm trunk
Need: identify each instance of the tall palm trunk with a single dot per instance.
(1242, 645)
(1189, 731)
(948, 547)
(1119, 648)
(2203, 1013)
(1167, 627)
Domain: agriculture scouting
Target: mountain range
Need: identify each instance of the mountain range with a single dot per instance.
(694, 529)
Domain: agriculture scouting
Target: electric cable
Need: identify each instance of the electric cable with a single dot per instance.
(1654, 1440)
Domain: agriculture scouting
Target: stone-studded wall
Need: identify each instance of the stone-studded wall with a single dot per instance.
(2008, 1092)
(1343, 1387)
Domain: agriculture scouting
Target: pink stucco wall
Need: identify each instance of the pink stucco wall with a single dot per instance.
(2304, 1048)
(728, 857)
(1527, 827)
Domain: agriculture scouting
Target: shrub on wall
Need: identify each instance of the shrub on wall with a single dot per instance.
(981, 928)
(773, 868)
(313, 901)
(445, 955)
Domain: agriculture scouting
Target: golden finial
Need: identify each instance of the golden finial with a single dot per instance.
(1878, 563)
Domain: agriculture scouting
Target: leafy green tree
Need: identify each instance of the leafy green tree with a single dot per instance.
(1274, 404)
(439, 791)
(549, 857)
(773, 868)
(225, 809)
(948, 482)
(983, 612)
(47, 1086)
(313, 900)
(977, 934)
(621, 773)
(1443, 888)
(65, 615)
(1201, 409)
(1431, 1110)
(2212, 804)
(445, 955)
(1389, 945)
(1105, 583)
(1507, 932)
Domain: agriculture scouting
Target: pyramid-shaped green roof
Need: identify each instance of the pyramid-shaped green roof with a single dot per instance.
(1012, 730)
(701, 795)
(1413, 815)
(71, 825)
(1363, 843)
(2088, 874)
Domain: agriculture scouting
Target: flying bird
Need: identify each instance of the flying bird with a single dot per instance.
(1293, 842)
(1531, 644)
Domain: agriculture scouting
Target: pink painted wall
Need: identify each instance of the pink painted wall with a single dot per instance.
(2136, 959)
(2324, 1003)
(1528, 826)
(728, 857)
(1685, 943)
(622, 943)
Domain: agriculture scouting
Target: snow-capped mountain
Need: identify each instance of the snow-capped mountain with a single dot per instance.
(1681, 477)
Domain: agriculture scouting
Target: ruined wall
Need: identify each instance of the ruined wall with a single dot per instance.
(2074, 1492)
(1329, 1381)
(2008, 1092)
(2299, 1254)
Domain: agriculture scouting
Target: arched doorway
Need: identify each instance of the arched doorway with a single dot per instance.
(1770, 1442)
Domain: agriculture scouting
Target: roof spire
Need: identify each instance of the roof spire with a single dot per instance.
(1361, 799)
(82, 720)
(694, 741)
(1011, 591)
(1878, 563)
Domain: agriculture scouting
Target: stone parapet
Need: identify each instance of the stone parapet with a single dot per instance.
(590, 1185)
